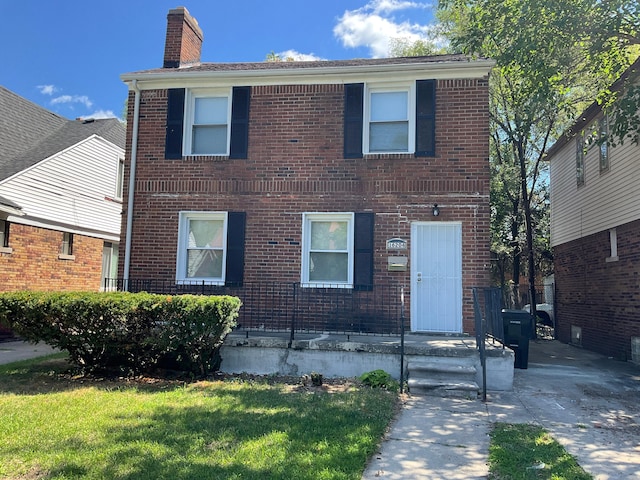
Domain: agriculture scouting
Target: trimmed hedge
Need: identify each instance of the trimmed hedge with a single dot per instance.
(126, 332)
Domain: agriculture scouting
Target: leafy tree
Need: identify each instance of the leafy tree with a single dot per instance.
(403, 47)
(276, 57)
(553, 56)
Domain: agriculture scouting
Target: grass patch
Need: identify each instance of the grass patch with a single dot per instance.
(57, 426)
(523, 452)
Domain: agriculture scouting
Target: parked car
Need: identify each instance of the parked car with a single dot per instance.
(544, 312)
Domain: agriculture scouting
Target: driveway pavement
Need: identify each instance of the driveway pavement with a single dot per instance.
(589, 403)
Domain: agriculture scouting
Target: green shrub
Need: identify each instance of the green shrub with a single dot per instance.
(123, 331)
(380, 379)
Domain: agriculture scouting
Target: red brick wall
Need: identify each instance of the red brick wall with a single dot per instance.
(603, 298)
(34, 264)
(296, 165)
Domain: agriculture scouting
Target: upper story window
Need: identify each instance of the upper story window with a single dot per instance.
(580, 153)
(390, 125)
(207, 122)
(120, 179)
(391, 118)
(603, 130)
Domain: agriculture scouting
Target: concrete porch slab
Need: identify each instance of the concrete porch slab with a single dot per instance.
(348, 355)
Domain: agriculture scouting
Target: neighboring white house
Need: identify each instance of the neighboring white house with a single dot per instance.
(595, 234)
(60, 198)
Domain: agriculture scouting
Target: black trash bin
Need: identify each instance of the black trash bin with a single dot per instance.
(517, 331)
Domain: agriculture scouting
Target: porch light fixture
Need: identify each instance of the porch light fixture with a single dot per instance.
(436, 210)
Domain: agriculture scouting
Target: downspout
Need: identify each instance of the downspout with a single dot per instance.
(132, 183)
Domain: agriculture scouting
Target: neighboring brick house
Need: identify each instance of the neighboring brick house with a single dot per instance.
(595, 234)
(60, 199)
(301, 172)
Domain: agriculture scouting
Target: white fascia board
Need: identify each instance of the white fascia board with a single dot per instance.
(11, 210)
(312, 76)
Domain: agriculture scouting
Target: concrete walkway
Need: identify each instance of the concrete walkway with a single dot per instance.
(589, 403)
(17, 350)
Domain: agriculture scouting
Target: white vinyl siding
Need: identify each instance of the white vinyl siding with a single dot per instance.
(604, 202)
(73, 189)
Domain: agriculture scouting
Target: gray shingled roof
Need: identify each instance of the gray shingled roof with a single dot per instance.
(30, 133)
(246, 66)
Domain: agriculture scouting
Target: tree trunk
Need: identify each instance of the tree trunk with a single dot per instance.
(529, 234)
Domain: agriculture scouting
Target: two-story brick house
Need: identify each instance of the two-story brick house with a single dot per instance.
(301, 172)
(595, 234)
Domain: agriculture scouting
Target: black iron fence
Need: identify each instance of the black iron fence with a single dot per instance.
(292, 307)
(487, 309)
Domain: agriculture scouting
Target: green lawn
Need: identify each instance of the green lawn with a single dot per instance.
(55, 426)
(528, 452)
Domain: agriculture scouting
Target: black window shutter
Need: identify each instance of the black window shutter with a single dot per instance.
(363, 250)
(353, 116)
(240, 122)
(426, 118)
(234, 274)
(175, 119)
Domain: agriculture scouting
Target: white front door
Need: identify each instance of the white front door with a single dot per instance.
(436, 277)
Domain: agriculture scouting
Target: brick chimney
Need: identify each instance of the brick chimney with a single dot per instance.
(184, 39)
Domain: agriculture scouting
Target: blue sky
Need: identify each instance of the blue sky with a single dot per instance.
(68, 55)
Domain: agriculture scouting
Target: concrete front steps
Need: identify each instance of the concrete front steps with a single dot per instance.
(444, 376)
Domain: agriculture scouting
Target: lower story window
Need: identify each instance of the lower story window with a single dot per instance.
(4, 234)
(202, 247)
(327, 257)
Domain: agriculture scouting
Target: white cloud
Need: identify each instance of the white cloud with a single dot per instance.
(297, 56)
(100, 114)
(82, 99)
(47, 89)
(373, 26)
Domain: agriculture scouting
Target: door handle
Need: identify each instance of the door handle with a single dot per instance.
(419, 277)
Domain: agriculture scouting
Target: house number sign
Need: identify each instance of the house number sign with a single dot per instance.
(396, 244)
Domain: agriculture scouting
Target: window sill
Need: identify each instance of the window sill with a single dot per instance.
(326, 285)
(7, 250)
(388, 156)
(196, 283)
(611, 259)
(62, 256)
(205, 158)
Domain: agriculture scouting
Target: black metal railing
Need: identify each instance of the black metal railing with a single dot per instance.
(487, 309)
(292, 307)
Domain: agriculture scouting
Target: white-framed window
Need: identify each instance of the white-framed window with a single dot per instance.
(120, 179)
(66, 247)
(207, 122)
(580, 153)
(613, 245)
(389, 119)
(327, 249)
(4, 234)
(603, 133)
(202, 247)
